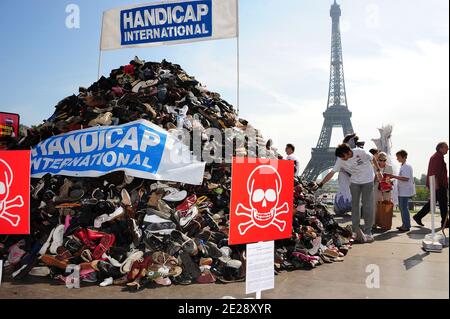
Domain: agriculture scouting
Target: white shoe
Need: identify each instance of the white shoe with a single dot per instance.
(188, 216)
(112, 261)
(44, 247)
(107, 218)
(174, 195)
(40, 271)
(58, 238)
(369, 239)
(100, 220)
(107, 282)
(158, 185)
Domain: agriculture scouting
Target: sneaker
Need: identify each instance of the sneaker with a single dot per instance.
(359, 236)
(174, 195)
(369, 239)
(158, 225)
(163, 281)
(107, 218)
(187, 244)
(186, 217)
(152, 242)
(107, 282)
(187, 204)
(90, 277)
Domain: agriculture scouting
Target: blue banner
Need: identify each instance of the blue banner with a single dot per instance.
(100, 150)
(140, 149)
(166, 22)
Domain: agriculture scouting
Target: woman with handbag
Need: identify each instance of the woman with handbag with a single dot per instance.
(383, 195)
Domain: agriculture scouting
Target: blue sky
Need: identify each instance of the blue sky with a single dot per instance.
(395, 60)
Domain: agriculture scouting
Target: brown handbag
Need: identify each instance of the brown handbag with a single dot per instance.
(383, 218)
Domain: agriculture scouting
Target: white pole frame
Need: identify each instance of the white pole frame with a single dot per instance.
(238, 60)
(100, 52)
(433, 205)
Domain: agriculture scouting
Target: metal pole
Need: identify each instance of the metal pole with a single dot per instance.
(238, 59)
(100, 52)
(100, 55)
(432, 204)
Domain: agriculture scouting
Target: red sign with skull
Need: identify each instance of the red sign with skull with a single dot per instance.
(262, 196)
(14, 192)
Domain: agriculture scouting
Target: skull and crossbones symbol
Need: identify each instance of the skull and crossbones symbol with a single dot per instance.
(6, 179)
(264, 186)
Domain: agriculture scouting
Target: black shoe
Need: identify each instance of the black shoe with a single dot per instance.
(152, 242)
(418, 220)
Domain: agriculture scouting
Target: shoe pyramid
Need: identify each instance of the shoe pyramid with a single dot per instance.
(164, 231)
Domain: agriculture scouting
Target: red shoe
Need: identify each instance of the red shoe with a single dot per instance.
(94, 235)
(187, 204)
(105, 243)
(82, 235)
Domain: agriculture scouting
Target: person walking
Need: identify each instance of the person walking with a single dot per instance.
(406, 189)
(359, 163)
(437, 167)
(290, 149)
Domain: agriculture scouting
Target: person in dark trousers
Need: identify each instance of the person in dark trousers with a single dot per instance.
(438, 168)
(359, 163)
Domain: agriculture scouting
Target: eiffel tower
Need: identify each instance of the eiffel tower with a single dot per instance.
(337, 113)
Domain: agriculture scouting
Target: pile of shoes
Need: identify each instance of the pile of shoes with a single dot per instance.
(120, 230)
(317, 237)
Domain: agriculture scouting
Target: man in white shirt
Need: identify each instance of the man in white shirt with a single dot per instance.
(290, 149)
(406, 189)
(358, 163)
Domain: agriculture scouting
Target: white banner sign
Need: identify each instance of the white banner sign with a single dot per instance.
(169, 22)
(260, 269)
(141, 149)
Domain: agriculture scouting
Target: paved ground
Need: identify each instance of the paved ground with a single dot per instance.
(406, 271)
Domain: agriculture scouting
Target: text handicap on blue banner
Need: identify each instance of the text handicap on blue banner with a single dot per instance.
(166, 22)
(169, 22)
(139, 148)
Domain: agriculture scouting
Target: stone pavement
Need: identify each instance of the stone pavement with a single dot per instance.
(406, 271)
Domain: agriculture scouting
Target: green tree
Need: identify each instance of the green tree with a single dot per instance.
(422, 194)
(422, 180)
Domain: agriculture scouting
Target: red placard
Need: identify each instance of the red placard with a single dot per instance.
(14, 192)
(9, 124)
(262, 196)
